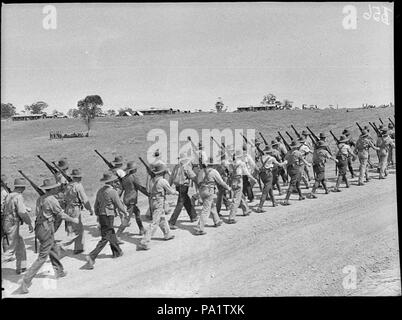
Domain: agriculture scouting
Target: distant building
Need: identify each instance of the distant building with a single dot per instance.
(25, 117)
(258, 108)
(159, 111)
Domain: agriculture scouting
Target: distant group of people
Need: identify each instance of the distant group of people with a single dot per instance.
(60, 135)
(229, 182)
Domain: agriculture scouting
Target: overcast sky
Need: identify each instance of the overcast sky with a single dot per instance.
(188, 55)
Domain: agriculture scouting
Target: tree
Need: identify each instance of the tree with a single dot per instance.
(111, 112)
(268, 99)
(219, 105)
(7, 110)
(73, 113)
(36, 107)
(287, 104)
(89, 108)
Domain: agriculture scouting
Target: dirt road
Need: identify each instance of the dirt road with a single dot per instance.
(302, 249)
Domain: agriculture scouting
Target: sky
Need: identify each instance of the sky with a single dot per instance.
(187, 55)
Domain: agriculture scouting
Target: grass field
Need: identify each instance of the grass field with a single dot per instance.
(301, 250)
(22, 141)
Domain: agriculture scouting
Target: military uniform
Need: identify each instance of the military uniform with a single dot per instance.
(48, 210)
(276, 170)
(76, 198)
(363, 145)
(283, 151)
(106, 204)
(305, 175)
(207, 178)
(295, 161)
(15, 212)
(247, 187)
(351, 143)
(222, 196)
(238, 170)
(4, 239)
(391, 133)
(385, 144)
(182, 175)
(131, 185)
(266, 174)
(160, 187)
(320, 157)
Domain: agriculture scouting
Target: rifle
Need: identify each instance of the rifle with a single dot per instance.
(251, 144)
(381, 121)
(294, 129)
(149, 171)
(33, 184)
(265, 141)
(108, 163)
(393, 124)
(195, 150)
(53, 170)
(284, 141)
(291, 138)
(335, 138)
(222, 147)
(67, 177)
(373, 125)
(360, 128)
(312, 133)
(3, 184)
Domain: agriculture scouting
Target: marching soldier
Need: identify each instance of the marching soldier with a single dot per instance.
(238, 170)
(131, 185)
(181, 177)
(372, 140)
(283, 151)
(222, 196)
(351, 143)
(363, 145)
(15, 212)
(251, 166)
(344, 154)
(268, 164)
(206, 179)
(47, 210)
(4, 194)
(106, 204)
(305, 151)
(320, 157)
(385, 144)
(391, 134)
(295, 162)
(76, 199)
(160, 187)
(276, 170)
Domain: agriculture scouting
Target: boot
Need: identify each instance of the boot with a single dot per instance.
(259, 210)
(24, 287)
(90, 262)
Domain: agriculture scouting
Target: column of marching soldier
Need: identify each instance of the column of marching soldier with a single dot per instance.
(63, 197)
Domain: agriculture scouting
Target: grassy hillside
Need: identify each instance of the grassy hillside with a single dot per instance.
(22, 141)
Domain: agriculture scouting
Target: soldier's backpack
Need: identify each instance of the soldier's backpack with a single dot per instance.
(362, 144)
(179, 176)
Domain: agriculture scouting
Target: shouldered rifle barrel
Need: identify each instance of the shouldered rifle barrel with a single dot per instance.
(33, 184)
(377, 131)
(254, 146)
(360, 128)
(284, 141)
(149, 171)
(52, 169)
(291, 138)
(313, 134)
(108, 163)
(381, 121)
(393, 124)
(65, 175)
(221, 146)
(265, 141)
(335, 138)
(3, 184)
(294, 129)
